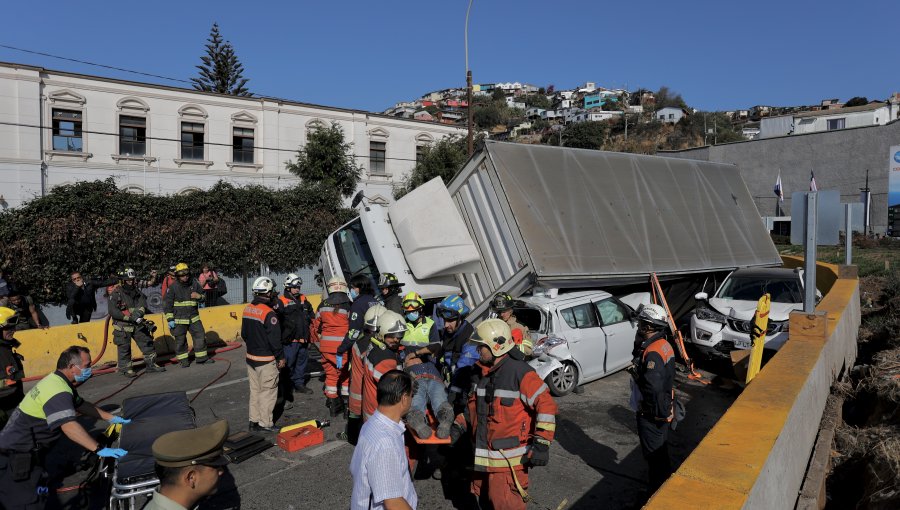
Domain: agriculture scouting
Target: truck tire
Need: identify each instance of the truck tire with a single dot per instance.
(562, 380)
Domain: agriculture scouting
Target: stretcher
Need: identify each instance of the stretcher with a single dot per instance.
(151, 416)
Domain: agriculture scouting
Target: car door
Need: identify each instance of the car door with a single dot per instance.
(615, 321)
(587, 342)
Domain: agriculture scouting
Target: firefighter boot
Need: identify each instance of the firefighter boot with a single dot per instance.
(345, 403)
(445, 418)
(150, 364)
(419, 424)
(336, 408)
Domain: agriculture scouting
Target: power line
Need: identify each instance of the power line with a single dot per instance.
(218, 144)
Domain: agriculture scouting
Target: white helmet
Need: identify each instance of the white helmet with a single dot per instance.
(263, 285)
(496, 335)
(654, 315)
(337, 284)
(391, 323)
(370, 320)
(293, 281)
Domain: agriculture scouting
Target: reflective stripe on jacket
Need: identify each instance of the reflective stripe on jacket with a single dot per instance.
(378, 360)
(178, 305)
(333, 323)
(261, 331)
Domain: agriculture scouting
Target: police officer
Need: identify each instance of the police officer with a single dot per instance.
(127, 307)
(390, 287)
(189, 464)
(261, 331)
(654, 375)
(11, 392)
(502, 306)
(181, 306)
(295, 332)
(50, 407)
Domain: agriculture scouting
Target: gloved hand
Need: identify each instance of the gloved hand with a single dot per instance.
(115, 453)
(138, 320)
(69, 312)
(118, 420)
(540, 452)
(171, 324)
(340, 361)
(456, 431)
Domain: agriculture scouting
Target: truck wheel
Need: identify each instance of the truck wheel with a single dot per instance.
(562, 380)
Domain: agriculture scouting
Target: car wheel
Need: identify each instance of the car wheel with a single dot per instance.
(562, 380)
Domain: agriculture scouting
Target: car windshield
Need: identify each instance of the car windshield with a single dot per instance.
(352, 250)
(782, 290)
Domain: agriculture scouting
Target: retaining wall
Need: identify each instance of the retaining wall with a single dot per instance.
(756, 455)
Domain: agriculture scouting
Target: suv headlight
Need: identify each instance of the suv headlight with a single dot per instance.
(545, 344)
(708, 314)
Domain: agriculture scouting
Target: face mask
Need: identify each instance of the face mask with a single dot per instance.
(353, 294)
(84, 375)
(412, 316)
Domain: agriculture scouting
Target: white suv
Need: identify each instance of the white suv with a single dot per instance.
(721, 324)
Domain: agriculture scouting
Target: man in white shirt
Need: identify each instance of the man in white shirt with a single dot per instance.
(380, 469)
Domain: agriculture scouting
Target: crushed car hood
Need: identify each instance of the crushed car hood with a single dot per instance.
(744, 309)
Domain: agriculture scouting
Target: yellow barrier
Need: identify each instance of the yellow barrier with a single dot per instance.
(756, 454)
(41, 347)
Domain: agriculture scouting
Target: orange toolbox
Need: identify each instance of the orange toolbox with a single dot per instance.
(301, 438)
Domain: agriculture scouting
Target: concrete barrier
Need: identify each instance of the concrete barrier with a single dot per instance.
(41, 347)
(757, 453)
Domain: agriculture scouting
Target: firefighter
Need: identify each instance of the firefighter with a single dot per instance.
(382, 356)
(654, 376)
(295, 333)
(389, 287)
(502, 306)
(511, 417)
(182, 310)
(261, 331)
(363, 296)
(127, 306)
(332, 324)
(358, 372)
(11, 392)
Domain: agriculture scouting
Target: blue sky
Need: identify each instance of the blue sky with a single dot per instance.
(369, 55)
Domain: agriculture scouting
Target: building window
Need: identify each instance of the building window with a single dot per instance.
(377, 153)
(835, 124)
(192, 140)
(420, 153)
(671, 115)
(132, 136)
(67, 130)
(242, 141)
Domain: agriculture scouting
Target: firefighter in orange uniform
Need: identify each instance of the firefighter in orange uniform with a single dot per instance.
(382, 357)
(332, 323)
(511, 416)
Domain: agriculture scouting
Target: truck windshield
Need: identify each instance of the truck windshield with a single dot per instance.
(353, 252)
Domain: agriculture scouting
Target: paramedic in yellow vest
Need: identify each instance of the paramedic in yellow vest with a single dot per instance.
(182, 310)
(49, 408)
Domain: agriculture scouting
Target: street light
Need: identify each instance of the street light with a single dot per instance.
(470, 141)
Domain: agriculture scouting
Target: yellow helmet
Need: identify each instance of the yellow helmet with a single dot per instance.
(413, 301)
(7, 317)
(181, 269)
(496, 335)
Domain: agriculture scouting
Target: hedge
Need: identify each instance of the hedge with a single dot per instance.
(97, 229)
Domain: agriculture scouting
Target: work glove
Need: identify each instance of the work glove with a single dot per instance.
(456, 432)
(114, 453)
(68, 312)
(118, 420)
(171, 324)
(340, 361)
(540, 452)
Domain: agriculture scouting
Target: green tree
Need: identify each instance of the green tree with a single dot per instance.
(666, 97)
(586, 135)
(489, 115)
(498, 94)
(327, 159)
(856, 101)
(537, 101)
(443, 159)
(220, 70)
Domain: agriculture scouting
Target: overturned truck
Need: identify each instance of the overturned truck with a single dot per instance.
(517, 217)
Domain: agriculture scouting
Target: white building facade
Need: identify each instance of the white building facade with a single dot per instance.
(872, 114)
(59, 128)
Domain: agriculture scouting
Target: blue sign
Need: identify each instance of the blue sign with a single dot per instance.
(897, 156)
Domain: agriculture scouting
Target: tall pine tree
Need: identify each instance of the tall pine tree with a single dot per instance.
(221, 71)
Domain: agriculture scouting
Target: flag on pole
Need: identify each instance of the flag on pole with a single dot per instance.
(778, 191)
(812, 182)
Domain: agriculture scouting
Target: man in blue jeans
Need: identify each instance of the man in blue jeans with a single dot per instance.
(422, 350)
(295, 333)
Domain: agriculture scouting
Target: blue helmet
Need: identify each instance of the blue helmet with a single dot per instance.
(452, 308)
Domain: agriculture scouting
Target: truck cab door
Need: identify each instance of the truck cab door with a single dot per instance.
(615, 320)
(586, 339)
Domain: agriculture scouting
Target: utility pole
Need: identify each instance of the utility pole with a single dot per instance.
(470, 140)
(865, 198)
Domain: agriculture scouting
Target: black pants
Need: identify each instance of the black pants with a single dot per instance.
(122, 339)
(20, 495)
(654, 435)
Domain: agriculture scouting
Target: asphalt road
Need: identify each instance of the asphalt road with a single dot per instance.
(595, 459)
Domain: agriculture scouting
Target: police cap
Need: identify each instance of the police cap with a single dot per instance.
(200, 446)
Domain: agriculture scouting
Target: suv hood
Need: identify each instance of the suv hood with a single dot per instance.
(744, 310)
